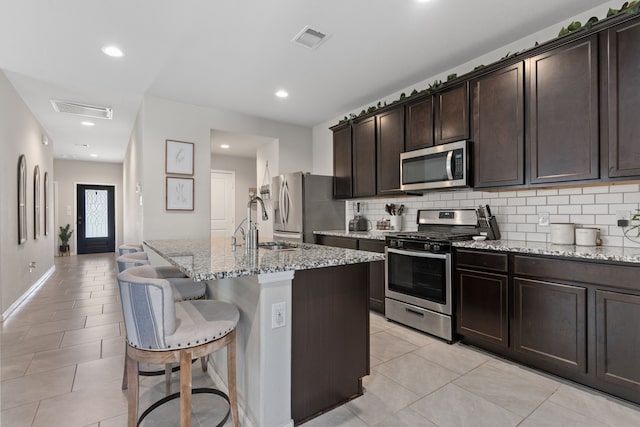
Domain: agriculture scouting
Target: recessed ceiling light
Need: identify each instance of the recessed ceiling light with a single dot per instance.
(112, 51)
(225, 146)
(93, 155)
(88, 124)
(282, 93)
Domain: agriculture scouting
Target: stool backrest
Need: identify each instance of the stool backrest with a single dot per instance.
(148, 307)
(129, 249)
(134, 259)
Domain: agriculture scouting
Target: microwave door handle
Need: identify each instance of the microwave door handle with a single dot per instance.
(449, 165)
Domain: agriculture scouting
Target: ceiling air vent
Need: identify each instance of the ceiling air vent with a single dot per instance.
(82, 109)
(310, 38)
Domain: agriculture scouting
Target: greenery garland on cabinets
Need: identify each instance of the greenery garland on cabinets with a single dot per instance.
(630, 8)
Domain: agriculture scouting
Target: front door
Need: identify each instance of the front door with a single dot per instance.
(96, 230)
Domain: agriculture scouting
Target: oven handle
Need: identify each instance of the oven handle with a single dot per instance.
(420, 254)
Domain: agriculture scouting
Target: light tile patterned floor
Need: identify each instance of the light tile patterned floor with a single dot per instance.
(61, 355)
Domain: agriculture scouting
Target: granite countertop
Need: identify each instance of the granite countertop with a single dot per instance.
(599, 253)
(210, 259)
(371, 234)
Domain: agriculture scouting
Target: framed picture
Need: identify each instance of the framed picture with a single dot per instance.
(179, 194)
(45, 188)
(178, 157)
(22, 199)
(36, 202)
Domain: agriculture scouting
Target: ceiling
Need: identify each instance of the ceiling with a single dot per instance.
(235, 54)
(239, 145)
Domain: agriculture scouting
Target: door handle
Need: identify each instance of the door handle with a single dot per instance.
(417, 313)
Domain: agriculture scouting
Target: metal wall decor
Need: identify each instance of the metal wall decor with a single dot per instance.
(22, 199)
(36, 202)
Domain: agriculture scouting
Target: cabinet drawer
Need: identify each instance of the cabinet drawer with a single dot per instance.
(481, 259)
(339, 242)
(618, 276)
(371, 245)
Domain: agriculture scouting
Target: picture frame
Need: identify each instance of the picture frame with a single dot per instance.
(22, 199)
(179, 157)
(179, 194)
(36, 202)
(45, 188)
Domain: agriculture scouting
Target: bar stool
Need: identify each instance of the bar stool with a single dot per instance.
(183, 289)
(160, 330)
(129, 248)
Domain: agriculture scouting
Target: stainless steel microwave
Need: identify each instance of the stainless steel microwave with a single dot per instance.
(442, 166)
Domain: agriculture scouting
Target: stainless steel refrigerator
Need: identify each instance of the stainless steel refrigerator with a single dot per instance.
(302, 204)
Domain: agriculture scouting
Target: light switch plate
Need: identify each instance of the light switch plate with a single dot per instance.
(278, 315)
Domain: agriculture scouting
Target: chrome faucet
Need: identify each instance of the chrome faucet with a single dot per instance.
(251, 236)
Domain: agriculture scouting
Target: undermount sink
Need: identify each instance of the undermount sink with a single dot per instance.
(277, 246)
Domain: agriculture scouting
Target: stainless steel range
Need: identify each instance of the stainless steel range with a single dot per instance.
(419, 276)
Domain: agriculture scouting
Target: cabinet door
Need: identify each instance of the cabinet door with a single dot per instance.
(452, 115)
(624, 99)
(419, 125)
(618, 338)
(390, 145)
(550, 324)
(563, 113)
(482, 306)
(364, 158)
(338, 242)
(497, 106)
(342, 163)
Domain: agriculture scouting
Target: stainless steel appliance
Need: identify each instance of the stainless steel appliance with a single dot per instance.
(441, 166)
(303, 203)
(419, 274)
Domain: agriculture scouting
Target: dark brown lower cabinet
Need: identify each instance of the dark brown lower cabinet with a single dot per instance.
(376, 269)
(550, 323)
(618, 338)
(482, 306)
(329, 338)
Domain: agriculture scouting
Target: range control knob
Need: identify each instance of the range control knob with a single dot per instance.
(436, 247)
(427, 246)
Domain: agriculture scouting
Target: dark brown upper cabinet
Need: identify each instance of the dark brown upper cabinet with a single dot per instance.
(364, 158)
(562, 99)
(390, 145)
(623, 99)
(342, 163)
(419, 124)
(451, 114)
(497, 109)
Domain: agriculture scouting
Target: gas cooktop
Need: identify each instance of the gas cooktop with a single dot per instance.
(433, 235)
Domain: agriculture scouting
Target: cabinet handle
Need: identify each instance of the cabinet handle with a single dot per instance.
(417, 313)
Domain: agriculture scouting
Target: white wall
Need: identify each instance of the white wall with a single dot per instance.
(164, 119)
(68, 174)
(323, 137)
(245, 174)
(133, 186)
(268, 153)
(20, 133)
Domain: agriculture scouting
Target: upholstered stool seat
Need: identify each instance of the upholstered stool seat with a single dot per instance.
(129, 248)
(160, 330)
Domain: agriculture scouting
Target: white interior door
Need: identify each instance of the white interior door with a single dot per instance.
(223, 213)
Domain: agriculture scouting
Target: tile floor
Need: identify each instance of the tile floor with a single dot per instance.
(61, 356)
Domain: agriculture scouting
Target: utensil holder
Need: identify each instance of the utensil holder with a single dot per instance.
(489, 227)
(396, 222)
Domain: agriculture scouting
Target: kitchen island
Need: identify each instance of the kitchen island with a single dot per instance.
(303, 335)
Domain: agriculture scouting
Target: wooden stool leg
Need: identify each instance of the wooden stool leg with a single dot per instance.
(231, 374)
(203, 362)
(167, 378)
(124, 373)
(185, 388)
(132, 380)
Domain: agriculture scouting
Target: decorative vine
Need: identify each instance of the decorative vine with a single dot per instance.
(630, 8)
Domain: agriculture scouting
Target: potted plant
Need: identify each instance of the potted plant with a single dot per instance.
(65, 236)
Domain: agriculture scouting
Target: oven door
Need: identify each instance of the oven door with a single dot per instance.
(419, 278)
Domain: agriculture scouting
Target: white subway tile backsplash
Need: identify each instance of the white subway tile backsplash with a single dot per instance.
(609, 198)
(517, 211)
(558, 200)
(582, 199)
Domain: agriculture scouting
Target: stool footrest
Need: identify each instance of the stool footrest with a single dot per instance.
(193, 391)
(161, 372)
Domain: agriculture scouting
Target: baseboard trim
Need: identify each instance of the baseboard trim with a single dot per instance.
(28, 293)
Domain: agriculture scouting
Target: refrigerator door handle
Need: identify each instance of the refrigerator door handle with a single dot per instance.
(287, 201)
(281, 200)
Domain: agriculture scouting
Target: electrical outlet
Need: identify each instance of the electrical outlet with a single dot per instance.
(278, 315)
(543, 218)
